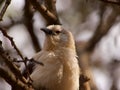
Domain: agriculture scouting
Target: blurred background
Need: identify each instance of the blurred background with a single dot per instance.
(94, 24)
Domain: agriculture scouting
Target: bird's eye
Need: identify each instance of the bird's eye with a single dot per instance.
(57, 32)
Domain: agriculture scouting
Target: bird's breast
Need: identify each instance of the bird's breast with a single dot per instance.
(60, 69)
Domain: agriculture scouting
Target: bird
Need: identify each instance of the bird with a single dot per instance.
(61, 70)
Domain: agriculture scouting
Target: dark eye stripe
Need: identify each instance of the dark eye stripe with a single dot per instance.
(58, 32)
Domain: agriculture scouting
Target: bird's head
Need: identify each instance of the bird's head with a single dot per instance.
(57, 37)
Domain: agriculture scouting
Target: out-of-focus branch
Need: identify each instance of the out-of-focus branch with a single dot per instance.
(115, 2)
(1, 48)
(28, 13)
(1, 2)
(113, 67)
(102, 29)
(49, 16)
(4, 9)
(85, 52)
(50, 4)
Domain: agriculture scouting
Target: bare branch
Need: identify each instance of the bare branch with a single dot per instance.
(34, 61)
(12, 42)
(29, 24)
(46, 13)
(11, 79)
(16, 79)
(50, 4)
(29, 60)
(15, 70)
(102, 29)
(4, 9)
(12, 74)
(111, 2)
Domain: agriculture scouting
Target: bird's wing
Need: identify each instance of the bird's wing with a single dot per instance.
(31, 65)
(43, 75)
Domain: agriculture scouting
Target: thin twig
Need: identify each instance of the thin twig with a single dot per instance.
(12, 42)
(29, 60)
(32, 60)
(7, 3)
(13, 67)
(15, 47)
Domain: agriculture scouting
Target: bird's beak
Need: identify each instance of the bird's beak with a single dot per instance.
(47, 31)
